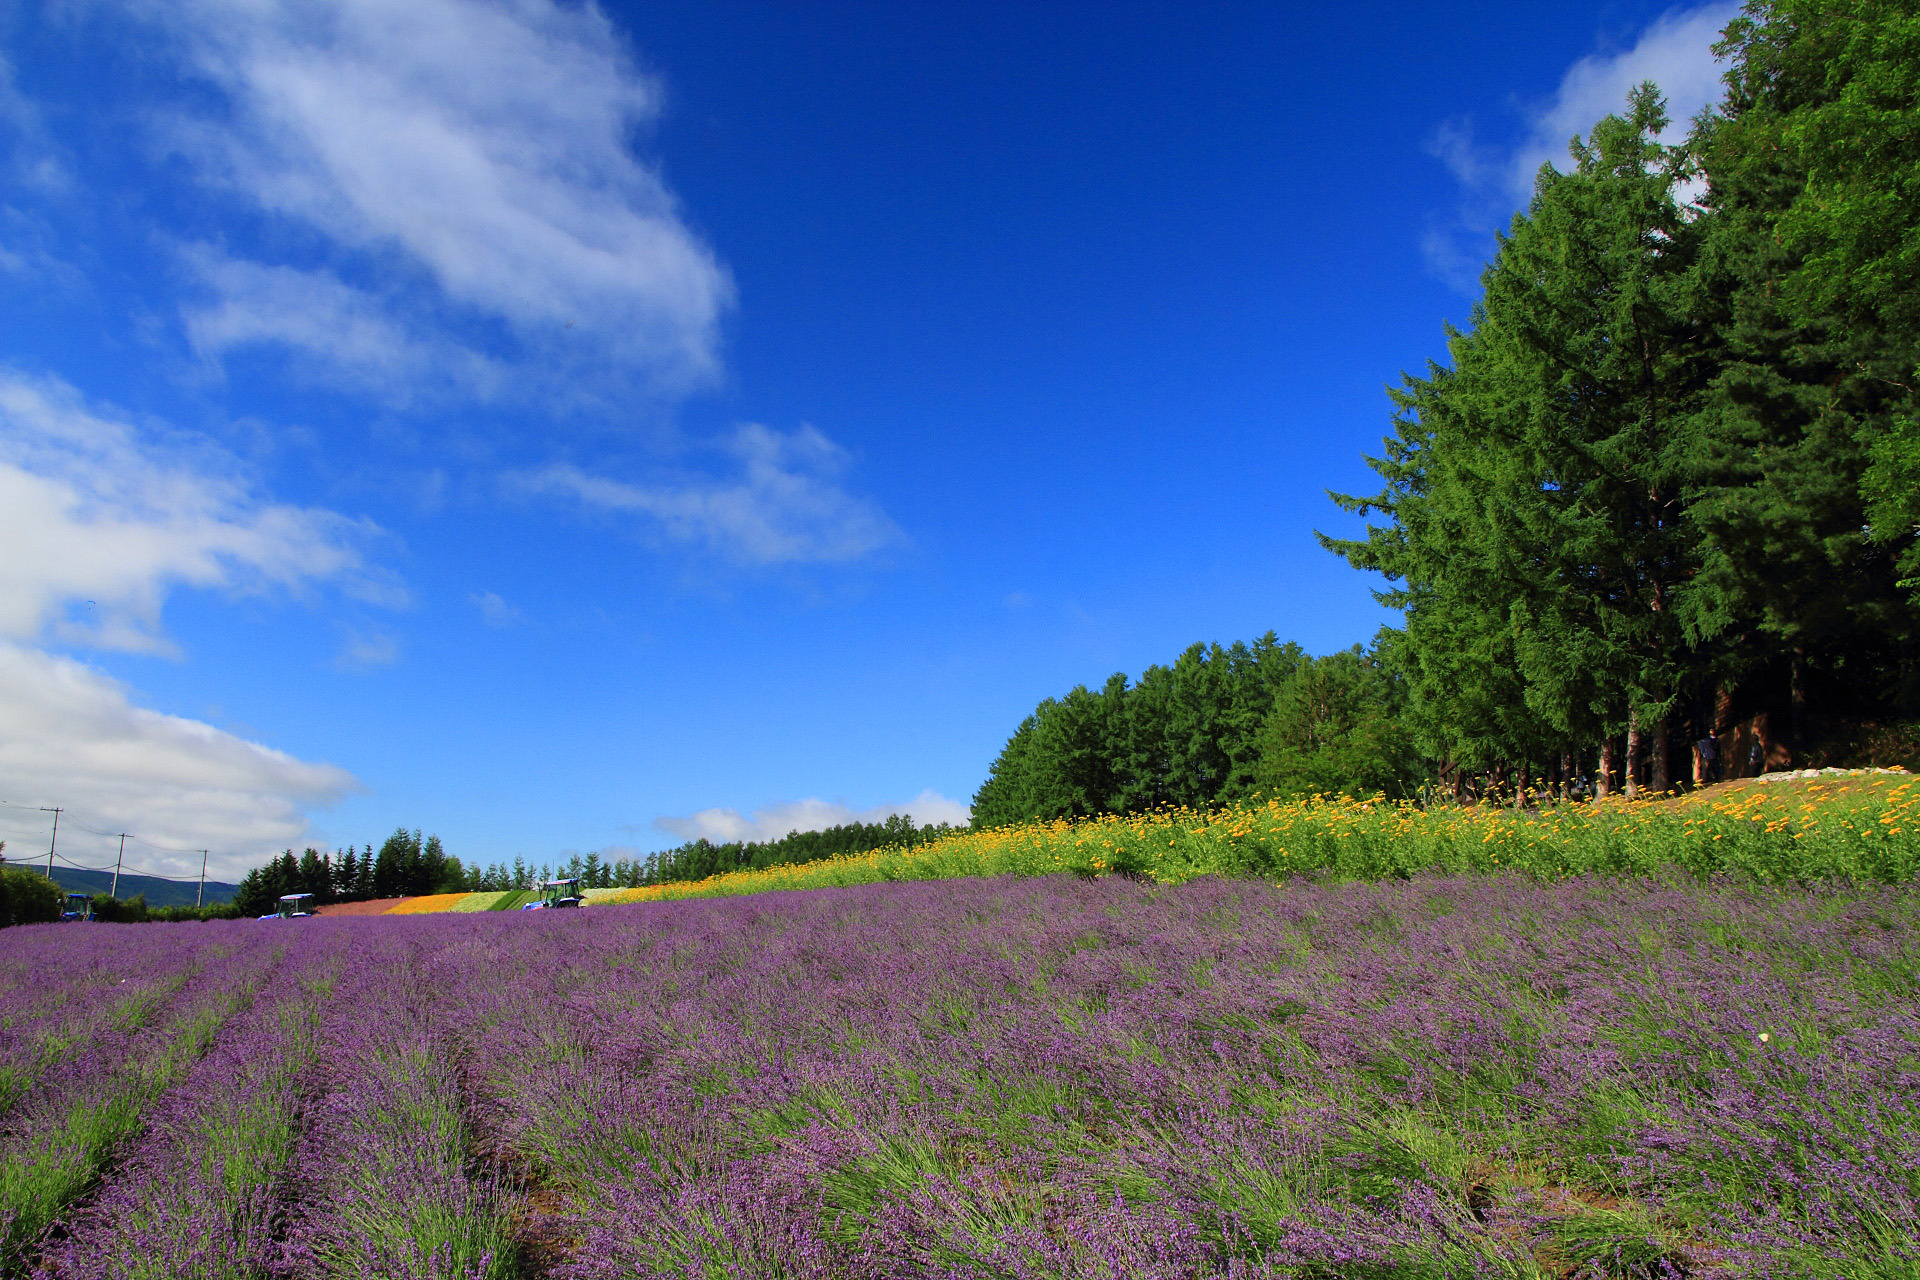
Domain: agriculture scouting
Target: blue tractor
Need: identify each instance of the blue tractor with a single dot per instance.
(79, 907)
(555, 893)
(291, 906)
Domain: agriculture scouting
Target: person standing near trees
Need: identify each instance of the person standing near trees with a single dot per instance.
(1707, 759)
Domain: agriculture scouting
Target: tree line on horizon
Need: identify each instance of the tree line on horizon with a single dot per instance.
(1665, 489)
(408, 866)
(1215, 727)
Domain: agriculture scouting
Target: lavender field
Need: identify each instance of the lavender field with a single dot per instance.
(999, 1078)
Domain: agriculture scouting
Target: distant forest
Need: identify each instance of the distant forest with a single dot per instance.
(1653, 519)
(406, 865)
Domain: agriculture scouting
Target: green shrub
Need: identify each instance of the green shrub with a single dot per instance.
(27, 897)
(112, 910)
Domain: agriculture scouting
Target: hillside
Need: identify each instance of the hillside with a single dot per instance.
(160, 893)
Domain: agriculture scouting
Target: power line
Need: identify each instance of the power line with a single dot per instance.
(120, 858)
(149, 875)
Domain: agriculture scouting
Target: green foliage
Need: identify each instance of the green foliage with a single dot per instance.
(1891, 487)
(1184, 734)
(1639, 494)
(1536, 487)
(1217, 726)
(405, 866)
(179, 915)
(111, 910)
(1337, 729)
(698, 859)
(1838, 85)
(27, 897)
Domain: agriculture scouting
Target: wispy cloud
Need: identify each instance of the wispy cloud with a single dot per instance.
(33, 170)
(364, 651)
(331, 331)
(775, 820)
(1676, 53)
(101, 519)
(480, 149)
(494, 611)
(785, 504)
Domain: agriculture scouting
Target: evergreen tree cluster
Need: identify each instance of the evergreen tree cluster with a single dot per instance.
(1666, 485)
(698, 859)
(1218, 725)
(1655, 518)
(405, 866)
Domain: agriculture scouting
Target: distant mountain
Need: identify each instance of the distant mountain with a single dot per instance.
(160, 893)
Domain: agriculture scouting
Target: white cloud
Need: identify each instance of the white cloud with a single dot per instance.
(494, 611)
(364, 651)
(786, 505)
(1675, 52)
(100, 520)
(776, 820)
(32, 169)
(32, 160)
(70, 736)
(482, 146)
(334, 331)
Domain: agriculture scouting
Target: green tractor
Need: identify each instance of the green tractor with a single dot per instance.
(556, 893)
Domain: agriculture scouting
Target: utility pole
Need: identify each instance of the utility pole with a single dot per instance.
(114, 892)
(53, 842)
(201, 892)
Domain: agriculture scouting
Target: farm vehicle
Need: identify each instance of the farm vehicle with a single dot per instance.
(291, 906)
(556, 893)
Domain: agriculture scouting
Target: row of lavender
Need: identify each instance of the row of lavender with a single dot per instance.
(1442, 1077)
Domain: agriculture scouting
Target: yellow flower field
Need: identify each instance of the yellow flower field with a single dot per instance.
(426, 903)
(1856, 827)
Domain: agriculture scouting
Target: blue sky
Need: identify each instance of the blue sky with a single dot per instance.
(571, 428)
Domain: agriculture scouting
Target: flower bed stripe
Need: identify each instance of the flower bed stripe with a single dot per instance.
(427, 904)
(388, 1182)
(58, 1140)
(200, 1193)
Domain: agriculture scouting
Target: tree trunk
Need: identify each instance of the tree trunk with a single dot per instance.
(1603, 777)
(1636, 752)
(1660, 762)
(1798, 693)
